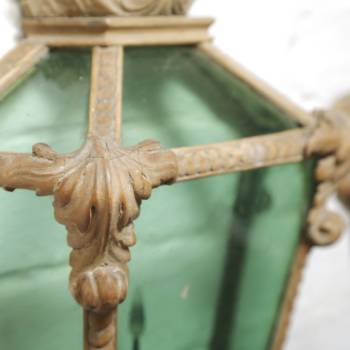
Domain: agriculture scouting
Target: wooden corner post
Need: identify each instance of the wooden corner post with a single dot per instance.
(99, 200)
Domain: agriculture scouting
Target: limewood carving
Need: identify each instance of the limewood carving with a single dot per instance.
(52, 8)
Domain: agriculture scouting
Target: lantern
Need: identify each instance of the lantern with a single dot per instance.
(218, 258)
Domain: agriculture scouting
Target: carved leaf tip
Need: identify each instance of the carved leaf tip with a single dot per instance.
(42, 150)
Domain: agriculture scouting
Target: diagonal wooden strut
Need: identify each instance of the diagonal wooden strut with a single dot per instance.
(18, 61)
(292, 110)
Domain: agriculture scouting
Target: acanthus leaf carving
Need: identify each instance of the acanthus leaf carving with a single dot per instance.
(97, 192)
(97, 201)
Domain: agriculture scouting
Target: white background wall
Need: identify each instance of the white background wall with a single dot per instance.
(302, 48)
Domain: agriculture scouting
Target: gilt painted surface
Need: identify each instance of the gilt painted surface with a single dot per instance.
(212, 256)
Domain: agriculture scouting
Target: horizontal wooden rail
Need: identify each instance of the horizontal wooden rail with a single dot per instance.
(26, 171)
(245, 154)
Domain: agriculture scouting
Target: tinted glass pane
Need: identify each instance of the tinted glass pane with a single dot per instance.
(178, 96)
(213, 256)
(49, 106)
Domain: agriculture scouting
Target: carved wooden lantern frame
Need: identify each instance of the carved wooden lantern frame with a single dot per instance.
(98, 189)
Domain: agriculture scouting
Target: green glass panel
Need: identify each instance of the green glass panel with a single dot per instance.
(213, 256)
(49, 105)
(37, 311)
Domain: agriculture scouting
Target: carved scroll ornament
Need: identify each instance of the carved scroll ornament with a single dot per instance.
(52, 8)
(331, 143)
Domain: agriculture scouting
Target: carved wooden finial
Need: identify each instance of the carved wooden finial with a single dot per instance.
(122, 8)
